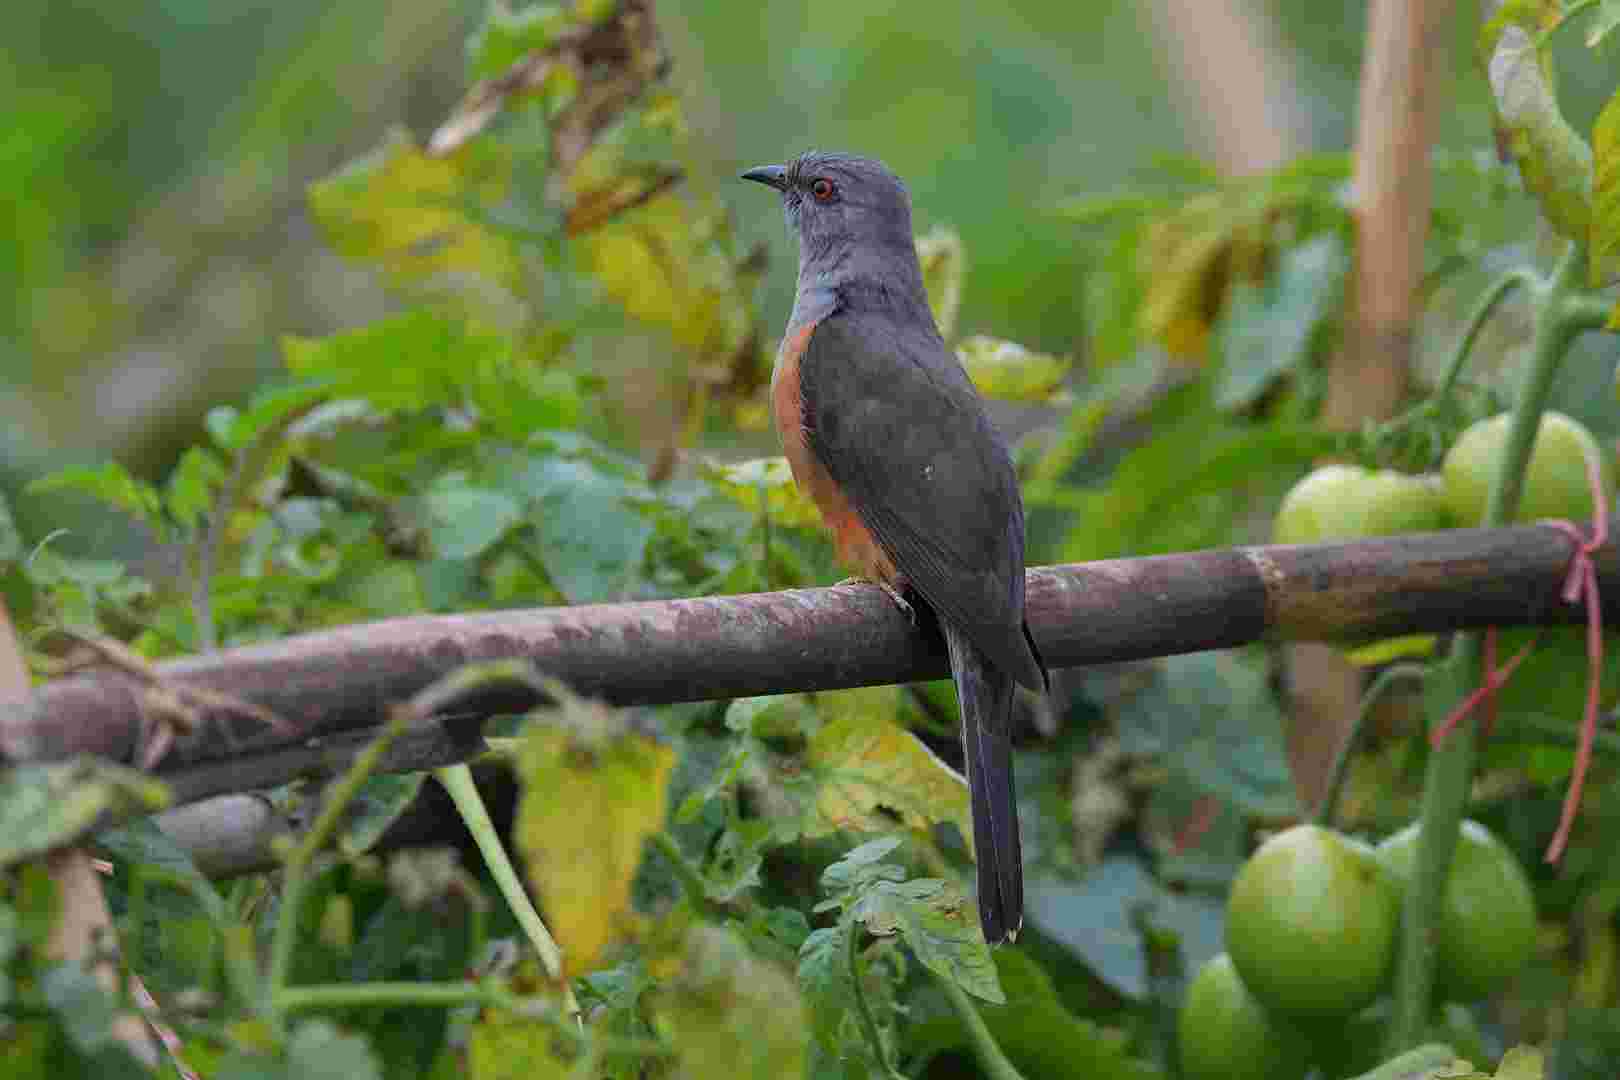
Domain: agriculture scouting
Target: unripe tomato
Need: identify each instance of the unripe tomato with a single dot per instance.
(1347, 502)
(1311, 923)
(1555, 484)
(1487, 914)
(1225, 1034)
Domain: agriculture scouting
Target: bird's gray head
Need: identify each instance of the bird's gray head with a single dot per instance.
(853, 217)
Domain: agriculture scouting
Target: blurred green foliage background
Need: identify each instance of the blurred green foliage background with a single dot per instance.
(158, 244)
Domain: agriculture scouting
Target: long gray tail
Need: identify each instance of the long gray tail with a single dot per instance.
(985, 694)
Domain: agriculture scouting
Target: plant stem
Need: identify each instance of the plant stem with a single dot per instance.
(295, 876)
(1451, 766)
(1482, 313)
(687, 874)
(458, 782)
(863, 1010)
(1347, 748)
(379, 995)
(386, 994)
(995, 1063)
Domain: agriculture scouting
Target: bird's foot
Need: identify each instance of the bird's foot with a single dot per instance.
(893, 594)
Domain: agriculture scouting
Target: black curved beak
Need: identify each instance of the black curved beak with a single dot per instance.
(770, 175)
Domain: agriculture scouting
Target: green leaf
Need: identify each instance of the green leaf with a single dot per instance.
(824, 979)
(410, 361)
(1101, 920)
(86, 1010)
(505, 36)
(1603, 23)
(770, 716)
(1037, 1033)
(464, 522)
(1187, 487)
(860, 864)
(1605, 239)
(319, 1051)
(592, 535)
(271, 407)
(939, 924)
(376, 806)
(141, 846)
(110, 483)
(1432, 1061)
(1266, 329)
(1228, 730)
(194, 485)
(48, 806)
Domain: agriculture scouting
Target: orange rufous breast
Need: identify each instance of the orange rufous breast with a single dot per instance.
(856, 546)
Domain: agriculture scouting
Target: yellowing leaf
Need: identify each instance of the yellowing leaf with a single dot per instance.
(1010, 372)
(660, 262)
(1522, 1063)
(729, 1013)
(864, 762)
(505, 1046)
(590, 800)
(944, 264)
(1385, 650)
(747, 483)
(1605, 238)
(418, 216)
(1554, 160)
(1185, 264)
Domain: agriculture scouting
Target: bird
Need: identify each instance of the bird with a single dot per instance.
(886, 434)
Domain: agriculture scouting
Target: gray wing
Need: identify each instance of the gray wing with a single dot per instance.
(891, 415)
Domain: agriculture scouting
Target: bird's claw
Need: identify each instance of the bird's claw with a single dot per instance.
(891, 592)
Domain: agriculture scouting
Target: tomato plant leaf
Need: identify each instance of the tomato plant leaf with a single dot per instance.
(730, 1013)
(112, 484)
(590, 801)
(1267, 328)
(1604, 244)
(940, 925)
(43, 807)
(866, 762)
(1554, 160)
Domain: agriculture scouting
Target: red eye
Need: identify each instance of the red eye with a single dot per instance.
(823, 189)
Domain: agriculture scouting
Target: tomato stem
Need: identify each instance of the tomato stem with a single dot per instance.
(1387, 678)
(1450, 767)
(1488, 303)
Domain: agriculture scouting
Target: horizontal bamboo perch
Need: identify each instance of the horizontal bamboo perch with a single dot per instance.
(329, 689)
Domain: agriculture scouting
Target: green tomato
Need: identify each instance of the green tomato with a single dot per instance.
(1311, 923)
(1555, 484)
(1487, 915)
(1225, 1034)
(1347, 502)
